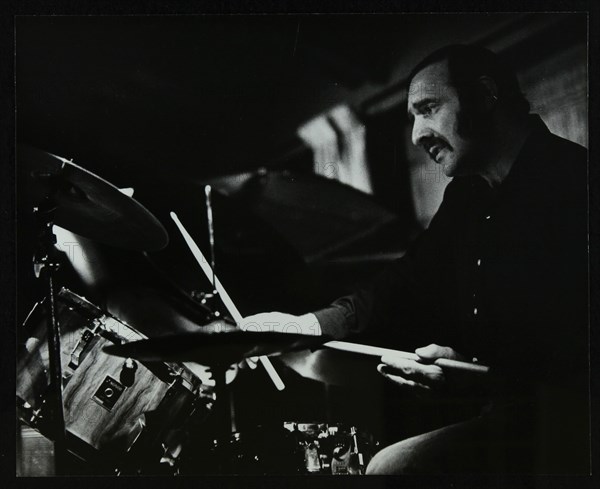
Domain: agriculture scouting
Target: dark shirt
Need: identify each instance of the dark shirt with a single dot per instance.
(500, 275)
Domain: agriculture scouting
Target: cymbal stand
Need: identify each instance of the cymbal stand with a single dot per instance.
(210, 299)
(45, 266)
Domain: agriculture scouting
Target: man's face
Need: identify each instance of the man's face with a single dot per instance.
(434, 107)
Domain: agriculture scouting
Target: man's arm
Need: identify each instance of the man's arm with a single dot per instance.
(384, 302)
(393, 298)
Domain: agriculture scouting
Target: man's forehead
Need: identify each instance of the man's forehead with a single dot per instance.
(431, 81)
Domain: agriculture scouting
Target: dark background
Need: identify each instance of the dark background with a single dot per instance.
(210, 95)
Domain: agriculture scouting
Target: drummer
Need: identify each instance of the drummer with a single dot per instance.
(499, 277)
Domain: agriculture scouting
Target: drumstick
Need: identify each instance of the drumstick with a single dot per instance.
(233, 311)
(378, 351)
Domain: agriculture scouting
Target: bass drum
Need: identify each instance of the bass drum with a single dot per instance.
(112, 406)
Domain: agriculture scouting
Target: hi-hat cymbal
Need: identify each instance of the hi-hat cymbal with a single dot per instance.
(216, 348)
(89, 205)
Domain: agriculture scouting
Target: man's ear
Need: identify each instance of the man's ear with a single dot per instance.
(487, 93)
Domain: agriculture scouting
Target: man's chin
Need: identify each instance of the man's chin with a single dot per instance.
(447, 163)
(448, 169)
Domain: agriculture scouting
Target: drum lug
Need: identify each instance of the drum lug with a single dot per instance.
(127, 376)
(80, 347)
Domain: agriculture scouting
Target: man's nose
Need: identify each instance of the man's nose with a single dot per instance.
(419, 130)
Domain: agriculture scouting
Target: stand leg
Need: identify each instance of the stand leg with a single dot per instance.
(56, 382)
(45, 266)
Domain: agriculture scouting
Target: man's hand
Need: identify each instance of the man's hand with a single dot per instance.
(420, 374)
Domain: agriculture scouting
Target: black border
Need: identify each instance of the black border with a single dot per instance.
(10, 8)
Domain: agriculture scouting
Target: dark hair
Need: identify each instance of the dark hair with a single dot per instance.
(466, 64)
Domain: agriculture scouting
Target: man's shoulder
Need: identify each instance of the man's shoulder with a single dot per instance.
(565, 150)
(560, 172)
(545, 145)
(558, 159)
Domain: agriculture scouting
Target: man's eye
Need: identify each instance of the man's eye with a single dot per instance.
(427, 109)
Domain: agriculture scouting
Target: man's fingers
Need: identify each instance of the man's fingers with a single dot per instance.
(383, 370)
(433, 352)
(413, 370)
(250, 362)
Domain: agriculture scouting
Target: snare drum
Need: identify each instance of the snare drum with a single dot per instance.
(109, 402)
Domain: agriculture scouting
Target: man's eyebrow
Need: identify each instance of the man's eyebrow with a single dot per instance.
(417, 106)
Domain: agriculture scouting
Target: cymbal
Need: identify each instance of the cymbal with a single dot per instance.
(89, 205)
(214, 349)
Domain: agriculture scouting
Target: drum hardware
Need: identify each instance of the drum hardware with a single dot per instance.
(209, 299)
(80, 347)
(44, 264)
(333, 448)
(347, 459)
(356, 452)
(127, 376)
(293, 448)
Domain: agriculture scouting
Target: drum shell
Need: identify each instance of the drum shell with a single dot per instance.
(94, 421)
